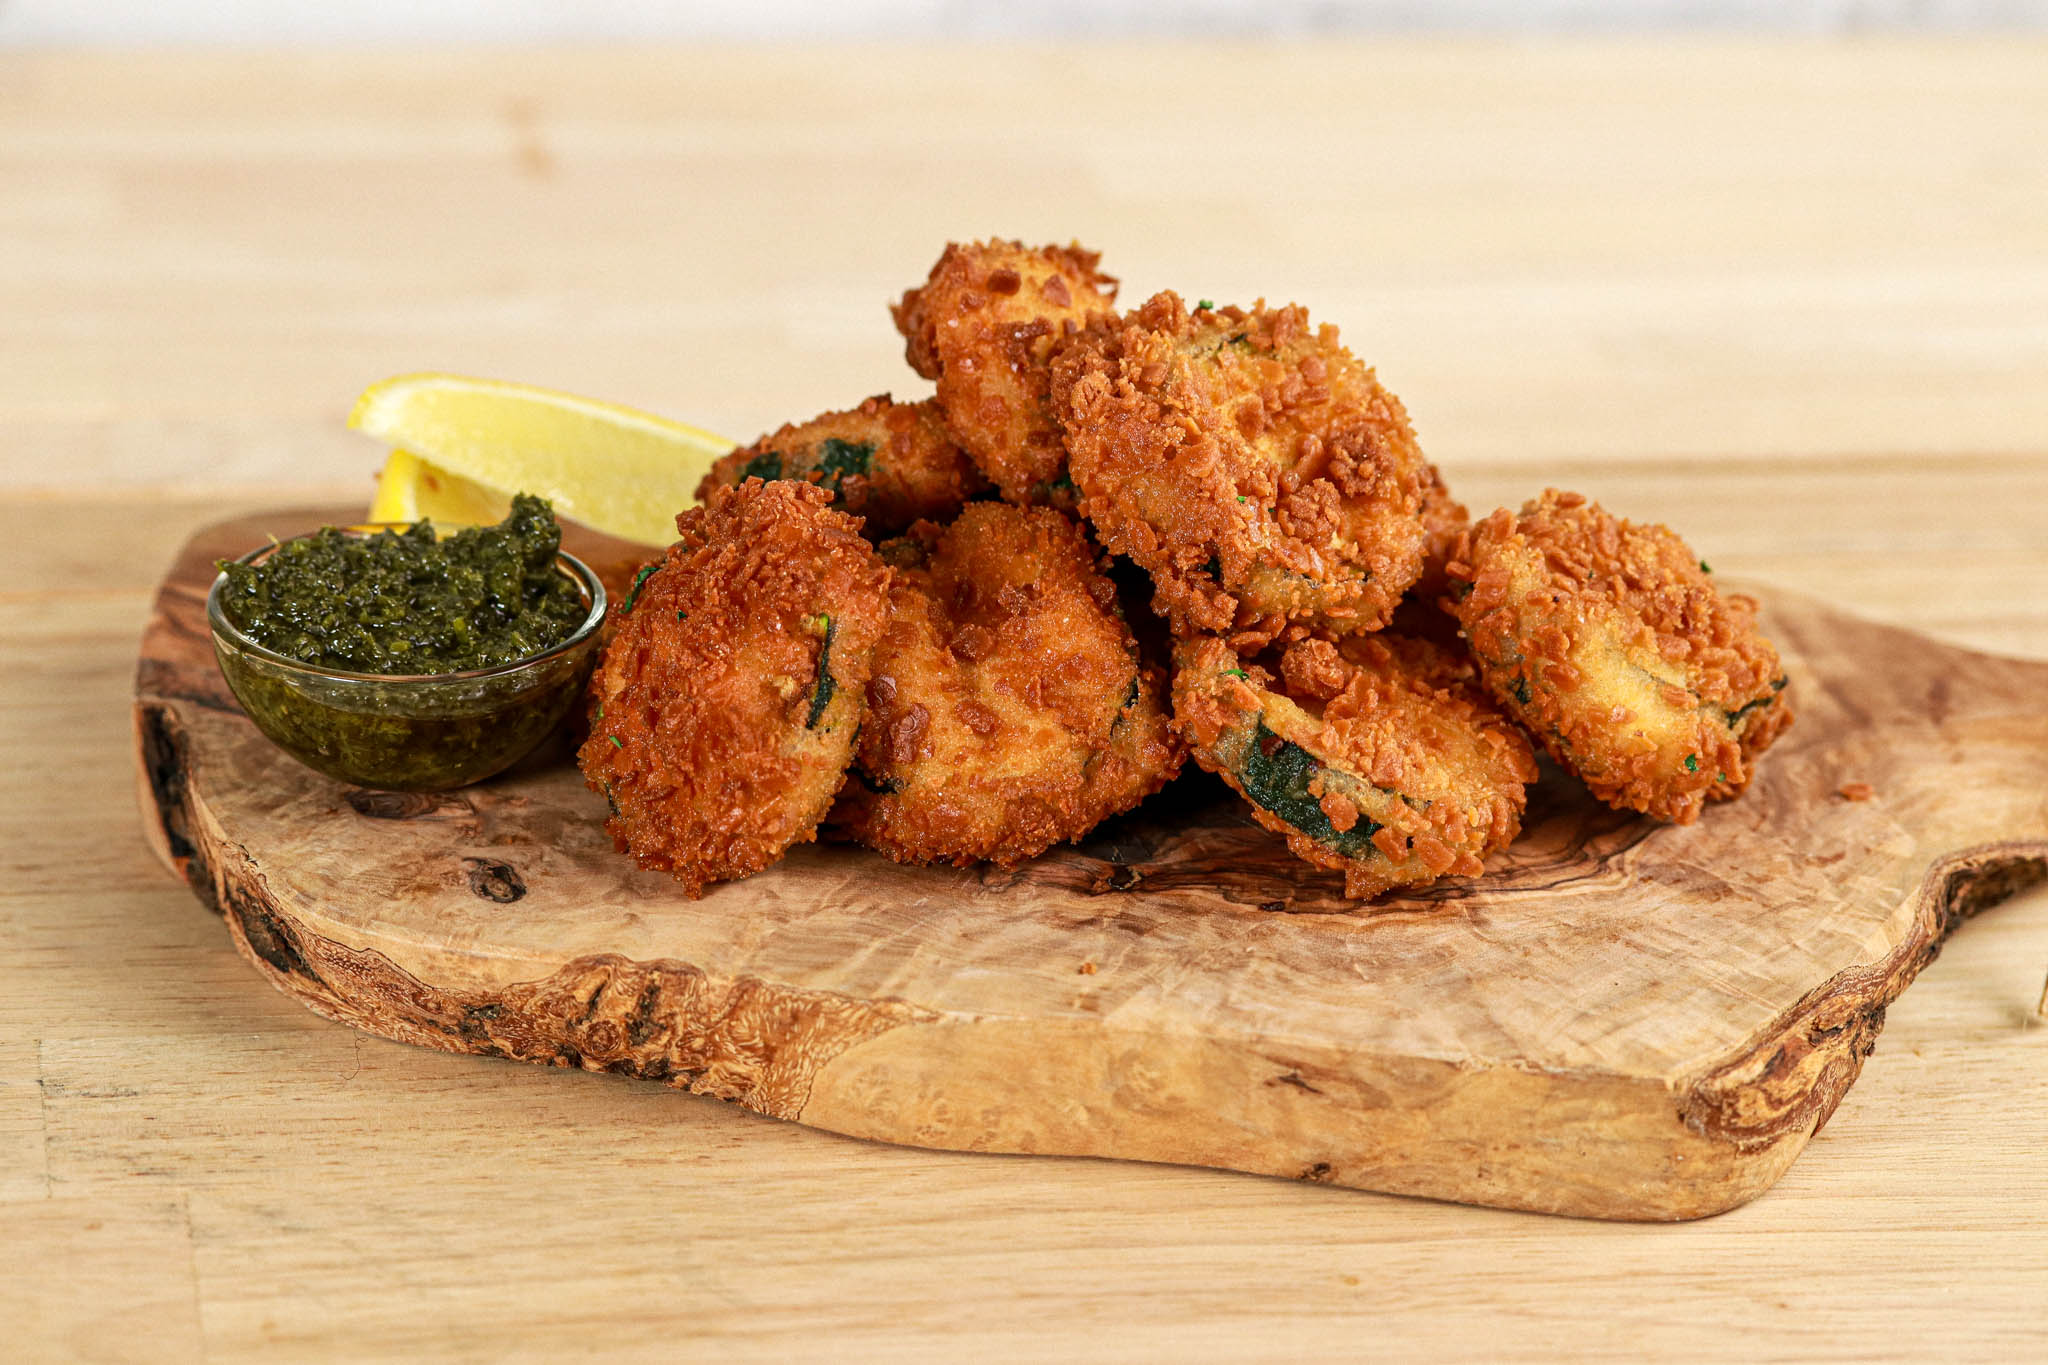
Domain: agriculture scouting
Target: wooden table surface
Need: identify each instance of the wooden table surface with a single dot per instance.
(1792, 298)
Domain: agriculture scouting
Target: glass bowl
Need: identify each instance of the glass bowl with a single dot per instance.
(408, 732)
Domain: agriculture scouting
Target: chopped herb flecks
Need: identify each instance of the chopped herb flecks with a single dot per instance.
(646, 572)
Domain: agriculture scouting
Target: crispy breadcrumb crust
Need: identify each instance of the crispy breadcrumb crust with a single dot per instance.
(725, 709)
(1445, 521)
(889, 463)
(1424, 611)
(1609, 642)
(1249, 462)
(1392, 763)
(1008, 709)
(984, 325)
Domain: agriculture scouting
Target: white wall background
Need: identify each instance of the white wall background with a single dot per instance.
(36, 23)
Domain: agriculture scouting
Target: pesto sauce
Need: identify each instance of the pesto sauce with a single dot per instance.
(1277, 773)
(406, 602)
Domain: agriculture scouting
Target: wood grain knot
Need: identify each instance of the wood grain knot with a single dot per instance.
(1116, 877)
(494, 881)
(383, 805)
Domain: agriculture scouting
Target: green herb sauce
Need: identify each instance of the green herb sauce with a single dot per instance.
(401, 602)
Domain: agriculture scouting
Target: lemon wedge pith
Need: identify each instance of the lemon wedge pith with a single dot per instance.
(463, 446)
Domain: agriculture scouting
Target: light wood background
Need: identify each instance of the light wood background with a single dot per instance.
(1792, 298)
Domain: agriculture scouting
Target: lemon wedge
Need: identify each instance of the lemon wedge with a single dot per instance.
(412, 489)
(463, 447)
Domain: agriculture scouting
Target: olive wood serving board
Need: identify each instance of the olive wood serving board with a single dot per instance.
(1621, 1020)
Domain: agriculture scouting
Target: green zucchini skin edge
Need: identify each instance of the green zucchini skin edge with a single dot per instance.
(767, 466)
(821, 696)
(1276, 774)
(835, 459)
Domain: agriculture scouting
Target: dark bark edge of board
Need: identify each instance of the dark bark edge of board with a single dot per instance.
(667, 1021)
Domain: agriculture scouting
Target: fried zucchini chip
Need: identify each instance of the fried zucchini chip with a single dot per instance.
(1008, 708)
(890, 463)
(984, 325)
(1376, 755)
(1250, 463)
(1608, 641)
(726, 706)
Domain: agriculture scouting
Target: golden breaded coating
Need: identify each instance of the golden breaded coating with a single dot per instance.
(1444, 523)
(1008, 708)
(984, 326)
(1423, 611)
(890, 463)
(1374, 755)
(1250, 463)
(727, 703)
(1608, 641)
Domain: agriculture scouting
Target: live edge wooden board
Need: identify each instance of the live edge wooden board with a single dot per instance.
(1620, 1020)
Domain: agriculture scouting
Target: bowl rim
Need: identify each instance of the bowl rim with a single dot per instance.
(217, 617)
